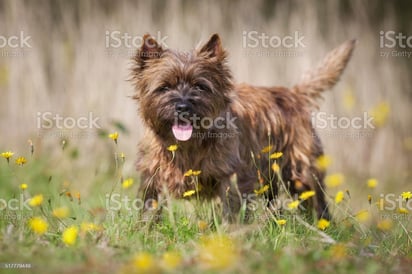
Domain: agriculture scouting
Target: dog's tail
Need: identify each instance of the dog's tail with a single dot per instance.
(327, 74)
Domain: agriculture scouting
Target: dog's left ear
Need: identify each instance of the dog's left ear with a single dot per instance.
(149, 50)
(213, 48)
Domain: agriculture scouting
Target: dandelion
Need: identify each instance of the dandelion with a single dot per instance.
(114, 136)
(362, 216)
(202, 225)
(298, 185)
(262, 190)
(189, 193)
(127, 183)
(266, 149)
(306, 195)
(323, 162)
(334, 180)
(340, 195)
(281, 222)
(7, 155)
(171, 260)
(380, 113)
(188, 173)
(23, 186)
(406, 195)
(69, 195)
(385, 225)
(36, 200)
(372, 183)
(349, 99)
(293, 205)
(21, 161)
(276, 155)
(38, 225)
(402, 210)
(172, 148)
(275, 167)
(196, 172)
(323, 224)
(144, 262)
(78, 197)
(69, 236)
(338, 251)
(89, 227)
(217, 252)
(61, 212)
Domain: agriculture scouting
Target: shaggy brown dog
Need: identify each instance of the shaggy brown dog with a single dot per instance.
(188, 99)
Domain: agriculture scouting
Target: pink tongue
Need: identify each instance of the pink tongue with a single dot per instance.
(182, 133)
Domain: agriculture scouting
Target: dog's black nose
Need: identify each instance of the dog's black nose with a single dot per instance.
(182, 107)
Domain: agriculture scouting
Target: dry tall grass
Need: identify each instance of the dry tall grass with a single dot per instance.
(69, 71)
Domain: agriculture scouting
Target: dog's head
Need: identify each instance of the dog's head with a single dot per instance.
(176, 90)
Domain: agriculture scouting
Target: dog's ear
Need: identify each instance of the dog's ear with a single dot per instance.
(213, 48)
(149, 50)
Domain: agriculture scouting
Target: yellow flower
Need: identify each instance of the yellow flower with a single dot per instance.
(262, 190)
(7, 155)
(38, 225)
(372, 183)
(217, 252)
(362, 216)
(172, 148)
(406, 195)
(122, 156)
(61, 212)
(293, 205)
(349, 99)
(171, 260)
(196, 172)
(23, 186)
(275, 167)
(334, 180)
(36, 200)
(323, 162)
(127, 183)
(69, 236)
(281, 222)
(338, 252)
(385, 225)
(340, 195)
(188, 173)
(21, 161)
(189, 193)
(403, 210)
(144, 262)
(323, 224)
(380, 114)
(114, 136)
(267, 149)
(202, 225)
(306, 195)
(89, 227)
(276, 155)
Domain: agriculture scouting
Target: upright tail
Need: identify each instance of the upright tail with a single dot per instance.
(327, 74)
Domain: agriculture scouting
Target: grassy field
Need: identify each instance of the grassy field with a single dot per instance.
(52, 225)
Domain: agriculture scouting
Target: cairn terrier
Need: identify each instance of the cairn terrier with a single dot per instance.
(203, 130)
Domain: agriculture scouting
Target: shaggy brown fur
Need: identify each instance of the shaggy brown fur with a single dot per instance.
(201, 82)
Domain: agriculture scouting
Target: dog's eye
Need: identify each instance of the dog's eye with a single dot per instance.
(163, 89)
(202, 87)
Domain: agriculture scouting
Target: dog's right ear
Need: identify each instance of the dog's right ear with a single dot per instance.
(149, 50)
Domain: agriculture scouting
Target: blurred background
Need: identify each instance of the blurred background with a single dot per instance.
(73, 59)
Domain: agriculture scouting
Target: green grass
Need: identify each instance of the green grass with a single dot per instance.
(190, 234)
